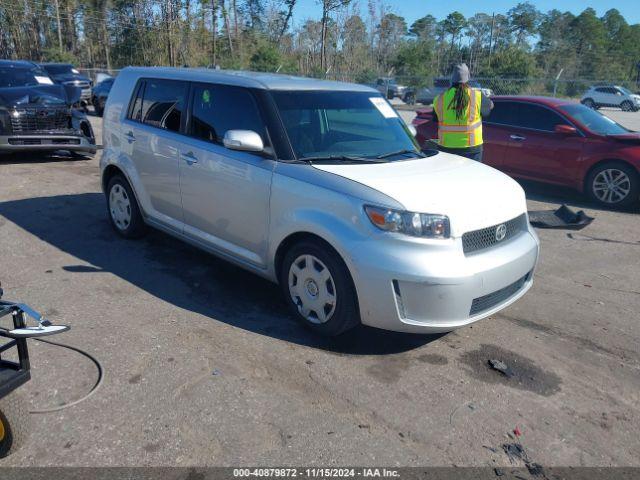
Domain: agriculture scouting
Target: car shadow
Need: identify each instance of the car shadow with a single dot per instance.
(544, 192)
(40, 157)
(182, 275)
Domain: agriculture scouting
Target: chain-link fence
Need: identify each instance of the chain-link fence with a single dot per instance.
(411, 88)
(422, 89)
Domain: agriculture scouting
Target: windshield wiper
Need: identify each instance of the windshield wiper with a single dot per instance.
(401, 152)
(341, 158)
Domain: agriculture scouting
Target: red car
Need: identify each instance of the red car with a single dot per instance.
(560, 142)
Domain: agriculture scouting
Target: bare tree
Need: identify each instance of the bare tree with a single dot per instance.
(328, 6)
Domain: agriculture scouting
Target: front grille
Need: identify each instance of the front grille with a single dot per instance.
(487, 302)
(44, 141)
(487, 237)
(39, 119)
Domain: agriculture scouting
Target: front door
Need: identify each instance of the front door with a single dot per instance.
(225, 193)
(536, 151)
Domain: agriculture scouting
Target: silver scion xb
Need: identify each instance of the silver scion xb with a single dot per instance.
(318, 186)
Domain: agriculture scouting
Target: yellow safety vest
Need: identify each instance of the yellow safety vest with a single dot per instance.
(463, 132)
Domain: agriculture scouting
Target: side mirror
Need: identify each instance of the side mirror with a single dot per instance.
(243, 140)
(565, 129)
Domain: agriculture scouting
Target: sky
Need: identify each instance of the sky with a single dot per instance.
(414, 9)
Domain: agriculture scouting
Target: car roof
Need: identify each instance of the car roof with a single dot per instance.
(547, 101)
(266, 81)
(17, 63)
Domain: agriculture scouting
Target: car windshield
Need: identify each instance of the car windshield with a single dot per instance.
(594, 121)
(21, 77)
(331, 124)
(626, 91)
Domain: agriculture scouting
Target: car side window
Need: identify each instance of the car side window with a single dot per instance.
(601, 90)
(503, 113)
(219, 108)
(135, 108)
(539, 118)
(163, 103)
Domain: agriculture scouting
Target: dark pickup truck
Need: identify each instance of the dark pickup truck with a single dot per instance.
(37, 114)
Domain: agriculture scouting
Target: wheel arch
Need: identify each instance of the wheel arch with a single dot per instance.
(109, 172)
(290, 240)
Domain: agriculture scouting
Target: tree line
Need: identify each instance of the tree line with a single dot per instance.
(352, 40)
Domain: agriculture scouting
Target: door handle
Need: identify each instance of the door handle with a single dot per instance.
(130, 136)
(189, 157)
(517, 138)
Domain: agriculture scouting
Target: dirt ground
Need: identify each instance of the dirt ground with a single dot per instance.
(204, 365)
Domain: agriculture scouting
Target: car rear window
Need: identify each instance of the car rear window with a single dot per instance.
(503, 113)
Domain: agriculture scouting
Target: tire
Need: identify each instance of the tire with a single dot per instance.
(14, 423)
(596, 185)
(340, 316)
(123, 210)
(626, 106)
(588, 102)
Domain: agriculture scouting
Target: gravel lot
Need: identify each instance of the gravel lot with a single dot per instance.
(204, 366)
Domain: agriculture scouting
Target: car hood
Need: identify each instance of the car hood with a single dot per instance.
(631, 137)
(37, 95)
(471, 194)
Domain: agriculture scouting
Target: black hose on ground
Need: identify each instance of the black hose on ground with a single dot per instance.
(91, 392)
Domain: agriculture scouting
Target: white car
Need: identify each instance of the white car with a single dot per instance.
(320, 187)
(611, 96)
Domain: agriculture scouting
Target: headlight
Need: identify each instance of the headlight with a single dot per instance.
(410, 223)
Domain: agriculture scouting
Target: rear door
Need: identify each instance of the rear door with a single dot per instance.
(536, 151)
(607, 96)
(496, 129)
(225, 193)
(151, 133)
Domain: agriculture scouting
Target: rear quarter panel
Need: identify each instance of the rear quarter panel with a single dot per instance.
(117, 151)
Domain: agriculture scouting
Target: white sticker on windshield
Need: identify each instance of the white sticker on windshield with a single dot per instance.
(75, 70)
(44, 80)
(384, 108)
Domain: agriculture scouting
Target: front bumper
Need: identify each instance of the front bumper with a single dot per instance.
(431, 286)
(48, 142)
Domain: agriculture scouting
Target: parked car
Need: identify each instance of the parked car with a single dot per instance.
(100, 93)
(36, 114)
(559, 142)
(611, 96)
(426, 96)
(389, 87)
(67, 74)
(318, 186)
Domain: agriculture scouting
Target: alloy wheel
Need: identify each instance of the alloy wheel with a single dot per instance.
(611, 185)
(312, 289)
(120, 207)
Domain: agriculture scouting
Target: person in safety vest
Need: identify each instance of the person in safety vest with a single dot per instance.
(460, 110)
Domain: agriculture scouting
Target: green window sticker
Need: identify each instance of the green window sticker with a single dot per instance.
(206, 96)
